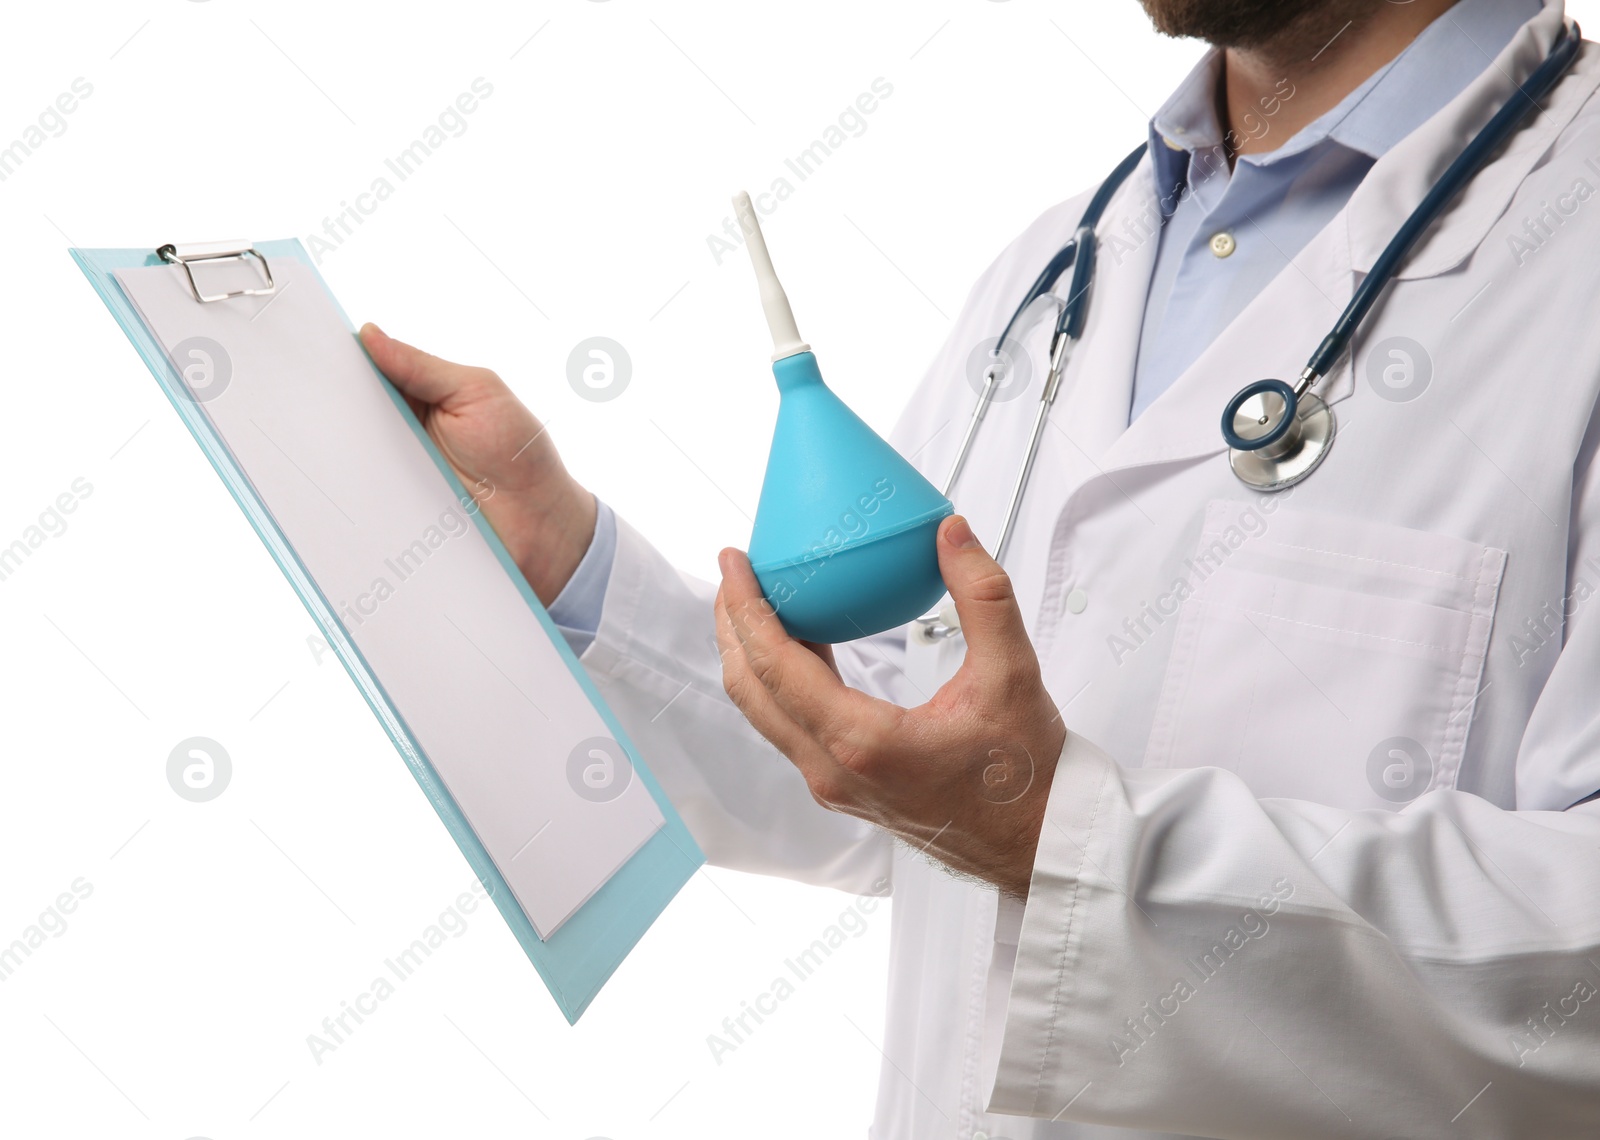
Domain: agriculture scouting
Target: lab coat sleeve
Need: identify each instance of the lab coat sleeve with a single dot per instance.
(1194, 959)
(655, 660)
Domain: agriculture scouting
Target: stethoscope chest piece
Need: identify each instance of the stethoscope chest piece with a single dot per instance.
(1275, 435)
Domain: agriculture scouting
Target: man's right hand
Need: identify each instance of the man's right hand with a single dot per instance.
(502, 454)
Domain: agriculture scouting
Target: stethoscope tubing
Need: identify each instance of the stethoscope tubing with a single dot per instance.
(1495, 133)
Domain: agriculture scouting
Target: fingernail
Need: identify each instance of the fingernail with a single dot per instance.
(370, 329)
(959, 534)
(724, 558)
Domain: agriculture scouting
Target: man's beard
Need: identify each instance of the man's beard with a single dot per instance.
(1249, 23)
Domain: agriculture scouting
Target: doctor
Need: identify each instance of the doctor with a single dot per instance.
(1271, 815)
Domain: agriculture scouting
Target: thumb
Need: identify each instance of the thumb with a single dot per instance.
(421, 375)
(991, 620)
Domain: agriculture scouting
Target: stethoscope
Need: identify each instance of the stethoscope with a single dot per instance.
(1276, 433)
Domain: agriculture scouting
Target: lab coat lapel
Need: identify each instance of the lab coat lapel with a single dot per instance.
(1398, 182)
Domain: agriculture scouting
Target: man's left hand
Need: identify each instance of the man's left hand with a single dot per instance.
(963, 777)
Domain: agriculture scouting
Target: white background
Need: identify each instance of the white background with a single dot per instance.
(577, 202)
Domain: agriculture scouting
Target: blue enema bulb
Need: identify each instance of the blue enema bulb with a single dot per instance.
(844, 543)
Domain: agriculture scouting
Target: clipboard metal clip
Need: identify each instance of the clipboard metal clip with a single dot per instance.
(187, 255)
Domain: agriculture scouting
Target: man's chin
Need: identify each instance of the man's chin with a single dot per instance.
(1231, 23)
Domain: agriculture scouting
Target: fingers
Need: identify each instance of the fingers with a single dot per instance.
(802, 685)
(766, 717)
(991, 621)
(746, 691)
(825, 653)
(422, 376)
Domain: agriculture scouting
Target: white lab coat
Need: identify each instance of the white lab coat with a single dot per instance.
(1306, 869)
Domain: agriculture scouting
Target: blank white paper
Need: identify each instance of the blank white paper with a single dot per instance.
(464, 660)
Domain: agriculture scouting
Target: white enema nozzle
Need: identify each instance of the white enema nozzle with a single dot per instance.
(774, 301)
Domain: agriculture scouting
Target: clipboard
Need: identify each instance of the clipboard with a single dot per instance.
(454, 654)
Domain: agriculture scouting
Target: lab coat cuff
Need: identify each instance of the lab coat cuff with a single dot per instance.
(1084, 816)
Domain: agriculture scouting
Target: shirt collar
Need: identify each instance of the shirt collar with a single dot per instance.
(1390, 104)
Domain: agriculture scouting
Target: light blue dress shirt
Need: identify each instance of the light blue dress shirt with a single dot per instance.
(576, 610)
(1224, 235)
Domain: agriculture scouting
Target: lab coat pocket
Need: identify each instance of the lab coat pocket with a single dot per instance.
(1325, 657)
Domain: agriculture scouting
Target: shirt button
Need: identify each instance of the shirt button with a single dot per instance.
(1222, 243)
(1077, 602)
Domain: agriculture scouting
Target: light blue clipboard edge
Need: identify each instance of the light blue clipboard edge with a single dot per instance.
(577, 960)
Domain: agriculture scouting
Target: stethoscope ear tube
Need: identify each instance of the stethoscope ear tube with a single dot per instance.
(1078, 254)
(1076, 311)
(1046, 281)
(1500, 127)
